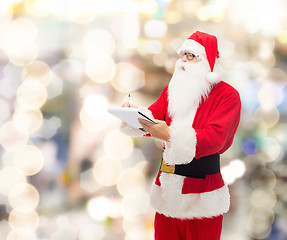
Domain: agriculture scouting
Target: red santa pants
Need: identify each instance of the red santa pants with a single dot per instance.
(167, 228)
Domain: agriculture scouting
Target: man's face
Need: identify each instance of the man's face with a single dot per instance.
(188, 84)
(188, 57)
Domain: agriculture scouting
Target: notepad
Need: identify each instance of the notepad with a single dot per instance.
(129, 115)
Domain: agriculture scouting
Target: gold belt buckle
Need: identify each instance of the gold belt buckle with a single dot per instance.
(167, 168)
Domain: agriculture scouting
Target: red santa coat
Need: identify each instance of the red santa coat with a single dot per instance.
(212, 131)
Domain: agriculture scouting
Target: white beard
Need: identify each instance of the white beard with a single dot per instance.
(187, 88)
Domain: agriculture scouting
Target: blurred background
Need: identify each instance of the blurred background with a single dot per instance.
(67, 173)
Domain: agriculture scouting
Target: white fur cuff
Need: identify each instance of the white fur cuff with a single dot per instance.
(182, 146)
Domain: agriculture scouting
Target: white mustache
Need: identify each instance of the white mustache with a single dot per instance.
(183, 66)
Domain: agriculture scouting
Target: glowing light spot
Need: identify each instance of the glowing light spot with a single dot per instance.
(86, 90)
(227, 48)
(6, 12)
(148, 7)
(202, 14)
(118, 145)
(169, 65)
(128, 78)
(155, 28)
(20, 52)
(10, 177)
(79, 12)
(27, 121)
(130, 31)
(173, 17)
(13, 235)
(5, 110)
(21, 28)
(239, 166)
(31, 94)
(55, 88)
(270, 95)
(270, 115)
(282, 37)
(22, 56)
(153, 46)
(94, 124)
(233, 171)
(29, 160)
(84, 17)
(160, 59)
(39, 71)
(263, 178)
(10, 138)
(90, 231)
(38, 7)
(263, 199)
(279, 133)
(106, 171)
(266, 48)
(95, 105)
(24, 195)
(23, 220)
(249, 146)
(134, 204)
(94, 115)
(259, 223)
(100, 68)
(212, 10)
(131, 180)
(98, 42)
(272, 148)
(98, 208)
(277, 76)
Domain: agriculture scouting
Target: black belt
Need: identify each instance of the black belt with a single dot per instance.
(197, 168)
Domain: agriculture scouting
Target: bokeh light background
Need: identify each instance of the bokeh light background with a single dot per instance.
(67, 173)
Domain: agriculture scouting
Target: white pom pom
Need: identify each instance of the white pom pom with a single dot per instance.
(213, 77)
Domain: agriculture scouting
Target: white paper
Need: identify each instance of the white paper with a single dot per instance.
(128, 115)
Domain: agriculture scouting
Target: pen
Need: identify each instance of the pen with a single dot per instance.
(129, 100)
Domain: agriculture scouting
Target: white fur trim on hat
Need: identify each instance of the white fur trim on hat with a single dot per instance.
(215, 76)
(167, 199)
(192, 46)
(182, 143)
(135, 132)
(212, 77)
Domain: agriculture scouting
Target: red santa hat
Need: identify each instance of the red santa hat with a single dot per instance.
(205, 46)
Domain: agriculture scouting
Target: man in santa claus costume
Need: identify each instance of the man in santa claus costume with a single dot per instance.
(196, 116)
